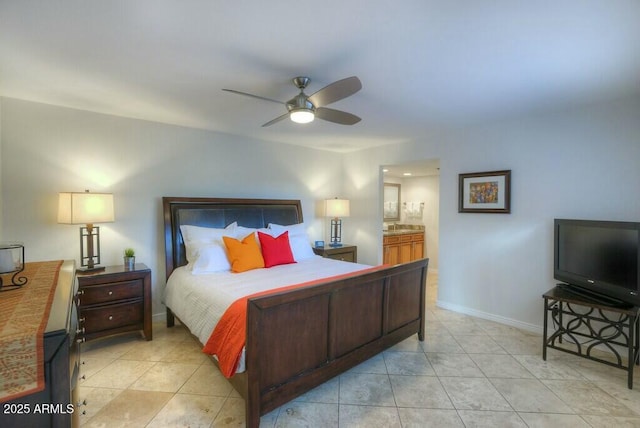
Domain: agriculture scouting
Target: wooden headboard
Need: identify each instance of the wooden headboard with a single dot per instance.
(218, 213)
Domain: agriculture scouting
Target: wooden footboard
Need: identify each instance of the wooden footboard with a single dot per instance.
(298, 339)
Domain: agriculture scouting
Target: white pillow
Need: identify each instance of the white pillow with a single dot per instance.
(240, 232)
(298, 240)
(195, 236)
(293, 229)
(211, 258)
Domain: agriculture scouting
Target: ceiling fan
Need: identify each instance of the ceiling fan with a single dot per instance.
(304, 108)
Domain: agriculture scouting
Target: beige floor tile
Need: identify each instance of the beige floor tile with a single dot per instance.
(153, 350)
(188, 352)
(231, 414)
(442, 343)
(304, 414)
(186, 410)
(176, 333)
(130, 409)
(546, 420)
(419, 392)
(368, 417)
(92, 365)
(491, 419)
(587, 399)
(408, 363)
(530, 395)
(478, 344)
(454, 365)
(474, 394)
(110, 347)
(612, 422)
(429, 418)
(167, 377)
(93, 400)
(207, 380)
(366, 389)
(500, 366)
(550, 369)
(119, 374)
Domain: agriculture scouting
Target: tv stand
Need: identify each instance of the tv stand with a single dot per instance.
(592, 328)
(594, 297)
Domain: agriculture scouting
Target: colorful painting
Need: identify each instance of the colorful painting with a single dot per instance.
(485, 192)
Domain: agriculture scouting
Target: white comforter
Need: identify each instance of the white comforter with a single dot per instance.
(200, 300)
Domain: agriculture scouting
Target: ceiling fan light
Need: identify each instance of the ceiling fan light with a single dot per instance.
(302, 116)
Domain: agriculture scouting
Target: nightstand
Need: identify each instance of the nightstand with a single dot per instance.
(115, 300)
(346, 253)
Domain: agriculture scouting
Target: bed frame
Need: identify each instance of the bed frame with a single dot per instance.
(299, 339)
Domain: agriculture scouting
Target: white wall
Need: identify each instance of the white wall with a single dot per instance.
(579, 163)
(47, 149)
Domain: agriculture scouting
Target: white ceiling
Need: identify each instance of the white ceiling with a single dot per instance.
(423, 64)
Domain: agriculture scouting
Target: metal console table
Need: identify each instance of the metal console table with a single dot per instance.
(596, 324)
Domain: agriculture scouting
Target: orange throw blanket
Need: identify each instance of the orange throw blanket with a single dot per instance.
(228, 338)
(24, 314)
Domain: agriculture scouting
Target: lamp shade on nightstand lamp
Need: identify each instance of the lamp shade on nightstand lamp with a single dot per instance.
(88, 209)
(336, 208)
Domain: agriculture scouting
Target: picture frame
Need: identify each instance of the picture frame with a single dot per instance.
(485, 192)
(391, 202)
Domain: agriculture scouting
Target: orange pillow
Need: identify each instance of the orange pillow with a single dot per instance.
(276, 251)
(244, 255)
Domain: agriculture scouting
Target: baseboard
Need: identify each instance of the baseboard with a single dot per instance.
(159, 317)
(491, 317)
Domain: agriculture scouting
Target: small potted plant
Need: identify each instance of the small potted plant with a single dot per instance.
(129, 258)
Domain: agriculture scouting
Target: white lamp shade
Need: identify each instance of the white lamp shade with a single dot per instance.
(337, 208)
(85, 208)
(302, 116)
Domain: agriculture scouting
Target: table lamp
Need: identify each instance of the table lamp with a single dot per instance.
(87, 208)
(336, 208)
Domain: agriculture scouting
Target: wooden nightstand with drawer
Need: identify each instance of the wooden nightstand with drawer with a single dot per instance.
(346, 253)
(115, 300)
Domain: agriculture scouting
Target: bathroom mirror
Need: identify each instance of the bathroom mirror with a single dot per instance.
(391, 202)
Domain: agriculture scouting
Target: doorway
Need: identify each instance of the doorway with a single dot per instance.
(416, 206)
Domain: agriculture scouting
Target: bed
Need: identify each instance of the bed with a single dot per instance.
(300, 338)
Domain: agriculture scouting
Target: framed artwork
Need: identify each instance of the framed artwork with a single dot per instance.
(391, 202)
(485, 192)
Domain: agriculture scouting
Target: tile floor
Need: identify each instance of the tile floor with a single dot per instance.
(469, 372)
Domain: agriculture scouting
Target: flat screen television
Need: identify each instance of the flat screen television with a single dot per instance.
(599, 259)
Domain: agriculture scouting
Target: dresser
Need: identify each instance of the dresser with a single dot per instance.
(115, 300)
(55, 406)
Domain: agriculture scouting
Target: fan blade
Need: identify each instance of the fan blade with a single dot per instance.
(233, 91)
(277, 119)
(336, 91)
(337, 116)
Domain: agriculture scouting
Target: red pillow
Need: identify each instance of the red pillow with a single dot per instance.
(276, 251)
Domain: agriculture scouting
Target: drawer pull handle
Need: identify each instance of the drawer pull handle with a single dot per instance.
(81, 320)
(81, 340)
(110, 317)
(80, 331)
(80, 293)
(110, 293)
(81, 403)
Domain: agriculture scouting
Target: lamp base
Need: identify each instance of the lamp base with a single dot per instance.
(335, 244)
(86, 270)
